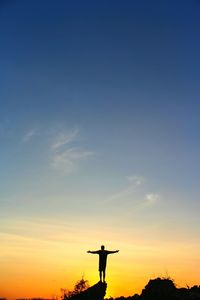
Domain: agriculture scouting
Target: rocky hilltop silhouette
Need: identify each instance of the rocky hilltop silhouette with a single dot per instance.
(159, 289)
(156, 289)
(165, 289)
(95, 292)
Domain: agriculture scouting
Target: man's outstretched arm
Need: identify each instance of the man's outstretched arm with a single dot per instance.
(93, 252)
(111, 252)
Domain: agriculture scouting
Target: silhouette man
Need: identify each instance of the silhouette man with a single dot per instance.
(102, 260)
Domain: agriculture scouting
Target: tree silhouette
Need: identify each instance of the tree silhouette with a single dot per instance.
(80, 286)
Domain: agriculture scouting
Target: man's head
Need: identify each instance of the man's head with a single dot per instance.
(102, 247)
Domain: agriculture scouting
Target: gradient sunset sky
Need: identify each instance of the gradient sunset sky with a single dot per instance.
(99, 143)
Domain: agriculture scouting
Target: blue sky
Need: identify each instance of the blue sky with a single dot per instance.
(99, 114)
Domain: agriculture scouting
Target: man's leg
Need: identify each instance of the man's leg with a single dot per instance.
(100, 275)
(104, 275)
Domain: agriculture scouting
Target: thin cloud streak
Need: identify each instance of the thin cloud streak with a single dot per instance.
(65, 139)
(127, 193)
(29, 135)
(64, 157)
(151, 199)
(68, 160)
(134, 182)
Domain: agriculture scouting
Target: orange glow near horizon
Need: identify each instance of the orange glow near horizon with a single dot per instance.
(35, 267)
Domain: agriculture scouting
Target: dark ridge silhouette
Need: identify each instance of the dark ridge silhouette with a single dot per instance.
(35, 298)
(95, 292)
(158, 289)
(192, 293)
(165, 289)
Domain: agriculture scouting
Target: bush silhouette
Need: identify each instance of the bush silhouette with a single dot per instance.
(79, 287)
(82, 291)
(159, 289)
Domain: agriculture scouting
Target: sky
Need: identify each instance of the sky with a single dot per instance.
(99, 143)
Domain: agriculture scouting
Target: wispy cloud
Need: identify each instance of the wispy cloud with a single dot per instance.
(65, 138)
(64, 157)
(151, 199)
(68, 160)
(133, 182)
(29, 134)
(130, 192)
